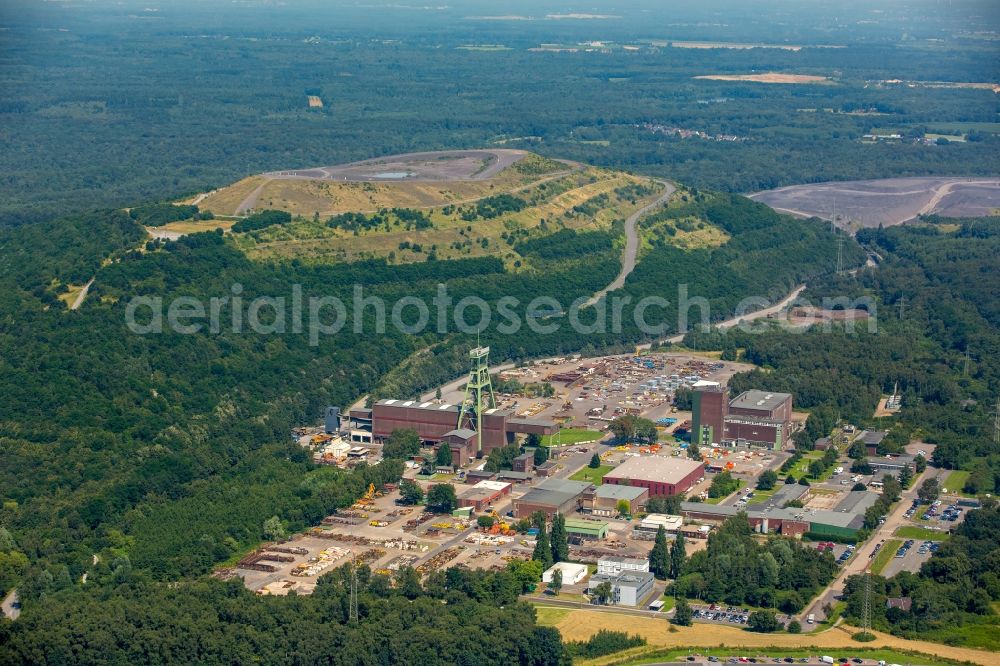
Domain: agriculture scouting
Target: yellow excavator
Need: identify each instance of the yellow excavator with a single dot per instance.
(500, 525)
(368, 497)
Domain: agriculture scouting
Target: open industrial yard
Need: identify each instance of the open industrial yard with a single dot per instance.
(577, 398)
(589, 393)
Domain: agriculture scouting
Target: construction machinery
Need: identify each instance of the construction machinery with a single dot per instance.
(500, 525)
(368, 498)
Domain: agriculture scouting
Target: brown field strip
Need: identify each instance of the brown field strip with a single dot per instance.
(582, 624)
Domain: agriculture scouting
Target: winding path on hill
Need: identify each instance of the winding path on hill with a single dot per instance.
(631, 250)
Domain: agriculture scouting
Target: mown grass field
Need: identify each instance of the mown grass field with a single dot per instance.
(956, 481)
(595, 476)
(923, 533)
(571, 436)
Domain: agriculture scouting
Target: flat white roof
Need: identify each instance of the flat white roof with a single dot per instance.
(568, 567)
(491, 485)
(664, 518)
(659, 469)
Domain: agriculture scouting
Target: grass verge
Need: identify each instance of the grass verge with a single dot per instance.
(887, 553)
(911, 532)
(956, 481)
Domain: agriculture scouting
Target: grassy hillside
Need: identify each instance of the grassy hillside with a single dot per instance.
(413, 221)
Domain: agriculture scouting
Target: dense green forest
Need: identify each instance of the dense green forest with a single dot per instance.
(938, 337)
(458, 617)
(145, 460)
(738, 569)
(125, 444)
(88, 121)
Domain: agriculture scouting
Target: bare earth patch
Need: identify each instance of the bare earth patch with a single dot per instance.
(869, 203)
(767, 77)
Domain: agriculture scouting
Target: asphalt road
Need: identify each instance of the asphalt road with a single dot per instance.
(861, 561)
(632, 243)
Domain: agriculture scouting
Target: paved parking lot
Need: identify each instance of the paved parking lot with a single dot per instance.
(909, 558)
(727, 659)
(724, 614)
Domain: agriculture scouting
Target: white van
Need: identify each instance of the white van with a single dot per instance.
(811, 618)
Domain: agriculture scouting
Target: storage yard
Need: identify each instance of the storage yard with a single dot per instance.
(585, 395)
(591, 392)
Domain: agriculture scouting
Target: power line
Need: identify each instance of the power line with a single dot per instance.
(866, 608)
(352, 613)
(996, 425)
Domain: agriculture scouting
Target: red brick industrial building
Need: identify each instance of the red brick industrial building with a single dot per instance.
(437, 422)
(755, 418)
(658, 474)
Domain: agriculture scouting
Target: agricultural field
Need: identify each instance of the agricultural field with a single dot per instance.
(717, 639)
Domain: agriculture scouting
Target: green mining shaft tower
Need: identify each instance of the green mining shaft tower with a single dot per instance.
(478, 395)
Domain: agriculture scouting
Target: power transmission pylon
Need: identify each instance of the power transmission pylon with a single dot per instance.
(840, 254)
(866, 607)
(996, 425)
(479, 395)
(352, 612)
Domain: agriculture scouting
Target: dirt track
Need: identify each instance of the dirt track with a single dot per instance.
(582, 624)
(632, 243)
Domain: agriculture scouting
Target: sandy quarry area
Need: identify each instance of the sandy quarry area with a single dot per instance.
(432, 166)
(869, 203)
(767, 77)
